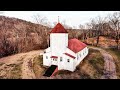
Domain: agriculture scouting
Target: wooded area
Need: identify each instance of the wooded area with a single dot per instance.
(17, 35)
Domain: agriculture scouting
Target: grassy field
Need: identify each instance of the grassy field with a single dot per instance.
(90, 68)
(116, 55)
(93, 64)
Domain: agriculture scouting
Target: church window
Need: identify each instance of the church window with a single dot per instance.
(80, 55)
(60, 58)
(68, 60)
(77, 57)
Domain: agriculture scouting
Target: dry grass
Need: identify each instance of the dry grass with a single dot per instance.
(38, 66)
(116, 55)
(93, 65)
(11, 71)
(16, 72)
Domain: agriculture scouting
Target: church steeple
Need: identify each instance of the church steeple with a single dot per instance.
(58, 28)
(58, 19)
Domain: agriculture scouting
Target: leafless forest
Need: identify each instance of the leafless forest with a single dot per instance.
(18, 35)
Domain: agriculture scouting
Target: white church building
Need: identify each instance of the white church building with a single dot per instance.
(65, 54)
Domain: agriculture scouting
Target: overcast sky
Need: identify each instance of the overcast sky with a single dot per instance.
(72, 18)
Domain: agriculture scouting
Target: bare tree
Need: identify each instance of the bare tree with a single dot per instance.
(42, 32)
(97, 24)
(89, 28)
(81, 27)
(40, 19)
(55, 23)
(6, 46)
(49, 24)
(114, 21)
(65, 25)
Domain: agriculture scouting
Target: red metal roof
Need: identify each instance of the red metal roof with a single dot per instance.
(70, 55)
(75, 45)
(58, 29)
(54, 57)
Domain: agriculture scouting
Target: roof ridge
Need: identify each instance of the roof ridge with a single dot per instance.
(75, 45)
(58, 29)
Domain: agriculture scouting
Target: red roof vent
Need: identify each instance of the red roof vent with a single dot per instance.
(54, 57)
(75, 45)
(59, 29)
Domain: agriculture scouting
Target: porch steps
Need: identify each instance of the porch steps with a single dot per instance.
(51, 71)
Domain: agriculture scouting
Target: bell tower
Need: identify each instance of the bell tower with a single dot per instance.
(58, 40)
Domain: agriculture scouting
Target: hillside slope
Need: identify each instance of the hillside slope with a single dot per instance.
(17, 66)
(16, 35)
(30, 66)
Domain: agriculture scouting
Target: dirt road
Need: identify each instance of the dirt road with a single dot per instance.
(27, 71)
(26, 58)
(109, 66)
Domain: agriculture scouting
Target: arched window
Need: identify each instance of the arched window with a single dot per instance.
(60, 58)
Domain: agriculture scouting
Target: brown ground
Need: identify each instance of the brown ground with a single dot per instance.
(109, 65)
(18, 67)
(23, 58)
(103, 42)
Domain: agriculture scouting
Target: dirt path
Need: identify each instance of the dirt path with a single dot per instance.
(27, 71)
(109, 66)
(26, 58)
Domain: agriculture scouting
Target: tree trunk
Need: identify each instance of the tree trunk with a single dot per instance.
(117, 40)
(98, 38)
